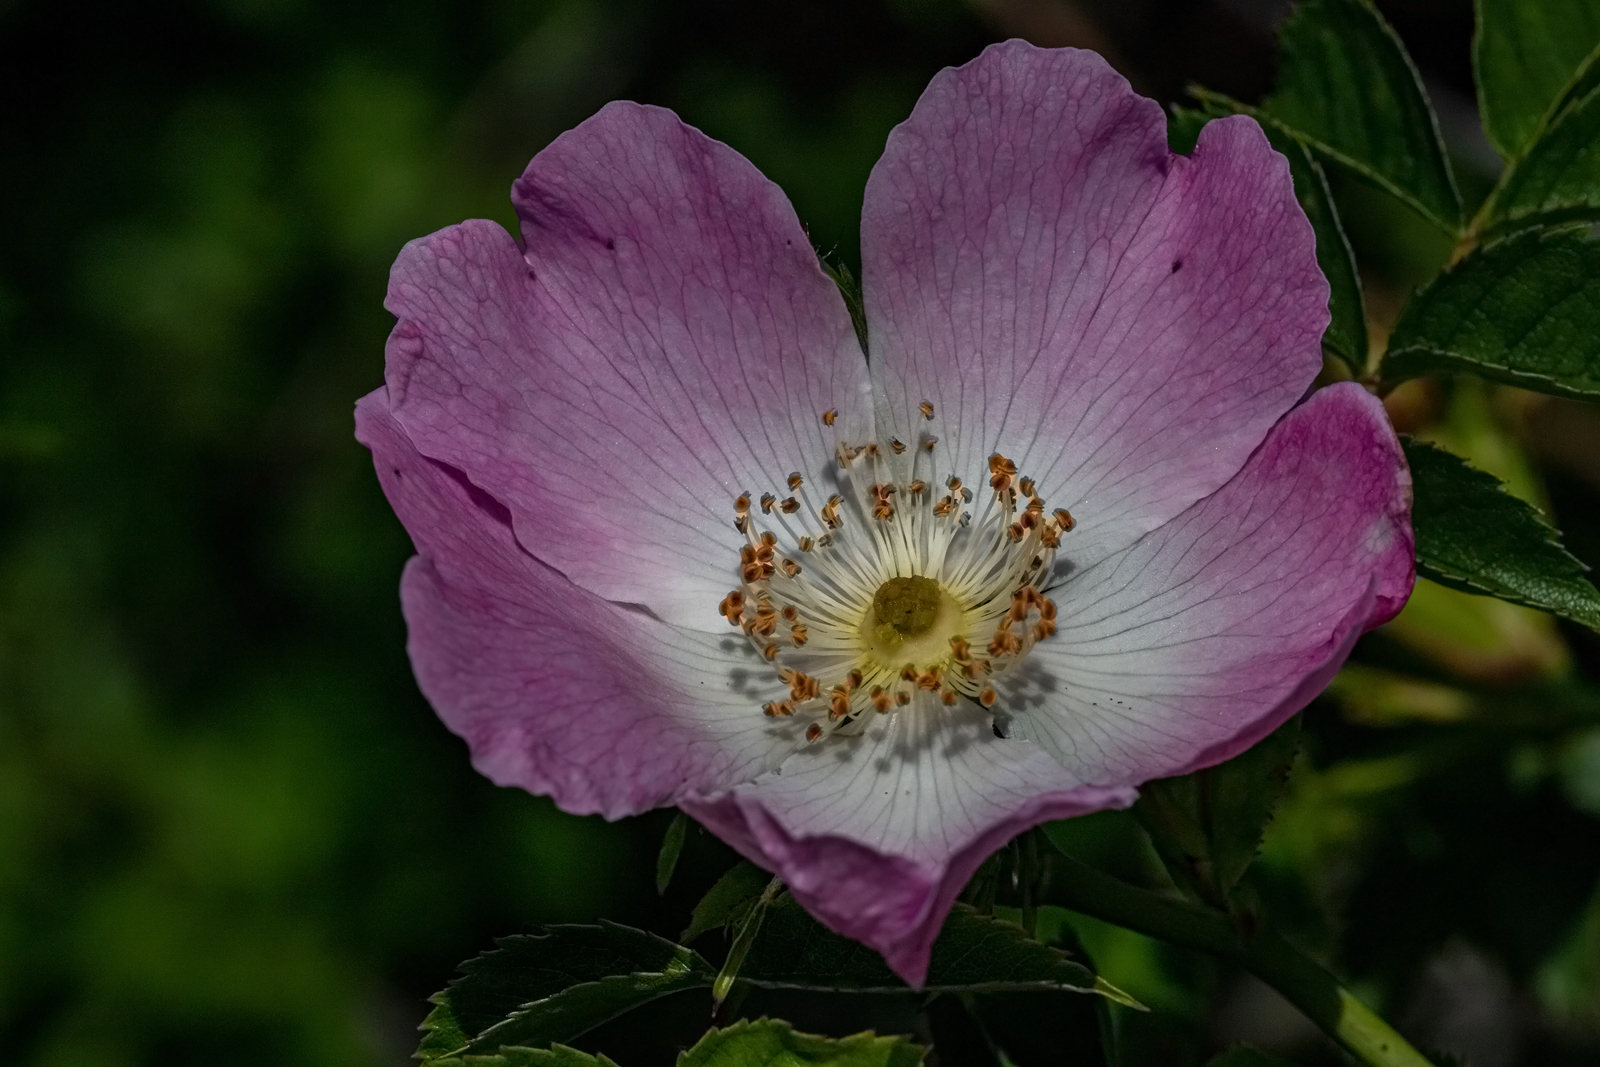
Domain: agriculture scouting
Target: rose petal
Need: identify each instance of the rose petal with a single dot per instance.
(1123, 323)
(1207, 634)
(669, 342)
(877, 835)
(555, 690)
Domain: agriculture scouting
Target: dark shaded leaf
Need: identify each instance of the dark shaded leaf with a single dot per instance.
(728, 899)
(1347, 329)
(671, 849)
(774, 1043)
(850, 290)
(1348, 90)
(521, 1056)
(1560, 174)
(1245, 1056)
(1473, 535)
(535, 989)
(1524, 311)
(974, 953)
(1524, 56)
(1207, 826)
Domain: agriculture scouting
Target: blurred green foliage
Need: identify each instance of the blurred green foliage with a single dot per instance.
(230, 829)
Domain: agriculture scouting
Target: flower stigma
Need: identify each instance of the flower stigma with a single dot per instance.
(882, 593)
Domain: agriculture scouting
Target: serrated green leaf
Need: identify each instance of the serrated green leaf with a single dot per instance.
(774, 1043)
(1207, 826)
(1245, 1056)
(1524, 55)
(974, 953)
(535, 989)
(1245, 793)
(1473, 535)
(1347, 328)
(520, 1056)
(1348, 90)
(671, 849)
(727, 899)
(1559, 176)
(1524, 311)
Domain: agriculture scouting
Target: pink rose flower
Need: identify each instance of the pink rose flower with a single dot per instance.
(1076, 523)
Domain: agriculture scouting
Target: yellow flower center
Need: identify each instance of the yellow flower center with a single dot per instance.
(889, 595)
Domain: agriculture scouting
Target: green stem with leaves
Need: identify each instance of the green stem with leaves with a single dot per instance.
(1302, 981)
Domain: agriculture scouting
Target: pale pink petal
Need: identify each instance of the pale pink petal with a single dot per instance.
(666, 342)
(876, 835)
(1124, 323)
(1207, 634)
(555, 690)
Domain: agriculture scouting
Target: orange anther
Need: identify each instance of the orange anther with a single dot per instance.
(1065, 520)
(789, 506)
(926, 407)
(767, 500)
(813, 732)
(828, 417)
(897, 445)
(794, 481)
(988, 697)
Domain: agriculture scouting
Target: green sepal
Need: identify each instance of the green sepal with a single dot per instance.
(727, 900)
(671, 849)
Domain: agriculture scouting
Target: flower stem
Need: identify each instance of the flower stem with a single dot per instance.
(1303, 981)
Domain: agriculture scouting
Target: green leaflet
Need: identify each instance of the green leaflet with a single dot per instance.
(974, 953)
(773, 1043)
(1523, 55)
(539, 989)
(1525, 311)
(1473, 535)
(536, 989)
(1560, 174)
(1347, 89)
(1347, 328)
(1207, 826)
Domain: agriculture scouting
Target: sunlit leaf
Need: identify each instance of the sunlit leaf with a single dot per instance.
(1473, 535)
(1525, 54)
(774, 1043)
(1525, 311)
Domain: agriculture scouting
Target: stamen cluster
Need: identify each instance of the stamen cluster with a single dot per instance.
(815, 582)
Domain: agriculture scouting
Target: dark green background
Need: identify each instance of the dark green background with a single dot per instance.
(230, 829)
